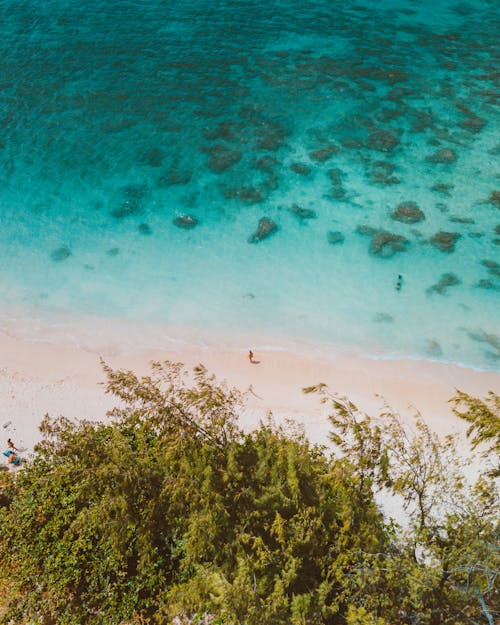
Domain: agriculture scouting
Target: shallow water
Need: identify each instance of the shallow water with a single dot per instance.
(119, 117)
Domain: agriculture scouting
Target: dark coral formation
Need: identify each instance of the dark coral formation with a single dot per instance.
(175, 176)
(382, 173)
(303, 213)
(300, 168)
(132, 202)
(265, 229)
(186, 221)
(247, 194)
(145, 229)
(445, 241)
(492, 266)
(61, 253)
(382, 141)
(335, 237)
(443, 188)
(337, 191)
(383, 243)
(408, 213)
(221, 157)
(444, 283)
(444, 156)
(323, 154)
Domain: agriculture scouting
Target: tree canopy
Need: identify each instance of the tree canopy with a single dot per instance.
(169, 512)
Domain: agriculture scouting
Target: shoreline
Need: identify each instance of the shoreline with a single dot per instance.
(65, 378)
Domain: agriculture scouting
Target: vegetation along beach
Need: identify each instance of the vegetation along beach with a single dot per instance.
(299, 202)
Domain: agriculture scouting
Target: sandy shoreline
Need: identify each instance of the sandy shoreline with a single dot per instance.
(66, 379)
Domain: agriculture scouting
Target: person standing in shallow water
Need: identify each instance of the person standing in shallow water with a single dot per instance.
(399, 283)
(250, 355)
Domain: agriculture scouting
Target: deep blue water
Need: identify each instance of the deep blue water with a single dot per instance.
(121, 117)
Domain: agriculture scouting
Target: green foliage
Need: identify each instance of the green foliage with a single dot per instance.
(484, 419)
(169, 513)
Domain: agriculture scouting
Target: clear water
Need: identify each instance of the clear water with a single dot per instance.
(119, 116)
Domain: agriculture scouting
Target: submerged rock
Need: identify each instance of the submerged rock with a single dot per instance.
(494, 198)
(247, 193)
(265, 229)
(443, 188)
(323, 154)
(382, 317)
(303, 213)
(382, 141)
(145, 229)
(133, 196)
(433, 348)
(485, 337)
(175, 176)
(445, 241)
(152, 157)
(335, 237)
(61, 253)
(444, 156)
(265, 163)
(300, 168)
(222, 158)
(462, 220)
(446, 280)
(408, 213)
(492, 266)
(386, 244)
(186, 221)
(487, 284)
(114, 251)
(381, 173)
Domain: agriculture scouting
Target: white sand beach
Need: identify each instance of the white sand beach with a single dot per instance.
(66, 379)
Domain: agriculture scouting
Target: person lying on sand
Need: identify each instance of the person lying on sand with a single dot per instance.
(11, 445)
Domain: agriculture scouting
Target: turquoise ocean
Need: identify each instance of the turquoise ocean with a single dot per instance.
(265, 168)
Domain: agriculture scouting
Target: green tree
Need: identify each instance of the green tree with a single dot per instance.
(483, 415)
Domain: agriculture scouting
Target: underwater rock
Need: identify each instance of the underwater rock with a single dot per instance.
(61, 253)
(300, 168)
(445, 241)
(303, 213)
(408, 213)
(494, 198)
(337, 191)
(442, 187)
(145, 229)
(270, 136)
(222, 131)
(367, 230)
(152, 157)
(382, 317)
(246, 193)
(114, 251)
(175, 176)
(383, 243)
(265, 163)
(381, 173)
(335, 237)
(386, 244)
(446, 280)
(487, 284)
(222, 158)
(485, 337)
(444, 156)
(323, 154)
(433, 348)
(265, 229)
(185, 221)
(132, 204)
(382, 141)
(462, 220)
(497, 229)
(492, 266)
